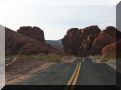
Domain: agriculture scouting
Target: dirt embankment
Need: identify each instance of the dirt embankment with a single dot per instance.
(22, 69)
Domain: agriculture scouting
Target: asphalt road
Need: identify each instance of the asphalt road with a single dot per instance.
(60, 74)
(96, 74)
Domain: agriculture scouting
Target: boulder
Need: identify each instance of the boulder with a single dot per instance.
(32, 32)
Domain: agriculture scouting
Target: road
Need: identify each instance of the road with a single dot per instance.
(80, 72)
(96, 74)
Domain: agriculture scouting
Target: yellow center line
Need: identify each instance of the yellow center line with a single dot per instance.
(71, 79)
(74, 78)
(77, 75)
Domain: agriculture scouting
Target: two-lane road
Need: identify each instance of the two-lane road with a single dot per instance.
(80, 72)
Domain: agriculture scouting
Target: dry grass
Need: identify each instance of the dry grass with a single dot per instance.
(103, 58)
(43, 57)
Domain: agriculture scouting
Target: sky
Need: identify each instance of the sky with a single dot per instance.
(55, 17)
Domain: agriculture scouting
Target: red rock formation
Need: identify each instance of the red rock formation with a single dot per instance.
(17, 43)
(33, 32)
(71, 41)
(86, 45)
(75, 37)
(106, 37)
(112, 31)
(90, 40)
(113, 49)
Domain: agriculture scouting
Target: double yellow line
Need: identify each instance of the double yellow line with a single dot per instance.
(74, 77)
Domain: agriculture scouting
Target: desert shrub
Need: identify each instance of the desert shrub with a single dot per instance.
(42, 57)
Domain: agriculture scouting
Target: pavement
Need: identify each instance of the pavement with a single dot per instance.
(96, 74)
(58, 74)
(82, 71)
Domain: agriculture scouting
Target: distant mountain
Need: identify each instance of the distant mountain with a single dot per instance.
(55, 43)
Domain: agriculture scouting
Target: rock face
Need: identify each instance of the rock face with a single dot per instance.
(90, 40)
(112, 50)
(33, 32)
(112, 31)
(18, 43)
(106, 37)
(78, 41)
(71, 41)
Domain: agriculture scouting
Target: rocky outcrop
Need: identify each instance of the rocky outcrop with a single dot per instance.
(90, 40)
(106, 37)
(112, 50)
(112, 31)
(78, 41)
(32, 32)
(18, 43)
(86, 45)
(71, 41)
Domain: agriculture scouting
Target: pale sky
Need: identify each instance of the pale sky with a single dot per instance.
(55, 18)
